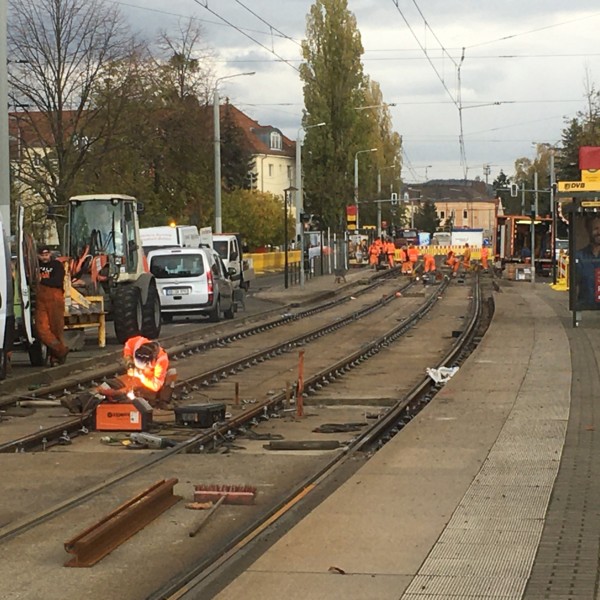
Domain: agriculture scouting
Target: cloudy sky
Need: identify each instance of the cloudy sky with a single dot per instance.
(527, 65)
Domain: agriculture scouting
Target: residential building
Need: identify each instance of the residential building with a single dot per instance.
(459, 204)
(273, 153)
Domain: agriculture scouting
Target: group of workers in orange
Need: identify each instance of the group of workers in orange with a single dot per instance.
(384, 251)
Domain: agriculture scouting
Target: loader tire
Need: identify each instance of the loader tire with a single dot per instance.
(151, 314)
(127, 312)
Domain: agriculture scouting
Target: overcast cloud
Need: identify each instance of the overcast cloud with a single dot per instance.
(524, 70)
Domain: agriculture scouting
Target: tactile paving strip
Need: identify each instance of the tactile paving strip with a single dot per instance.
(468, 562)
(566, 565)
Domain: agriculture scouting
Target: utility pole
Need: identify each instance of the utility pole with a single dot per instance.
(553, 213)
(4, 145)
(534, 211)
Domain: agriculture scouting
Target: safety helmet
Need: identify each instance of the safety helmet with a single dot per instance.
(146, 354)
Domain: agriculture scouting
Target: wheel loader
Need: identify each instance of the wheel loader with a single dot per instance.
(107, 259)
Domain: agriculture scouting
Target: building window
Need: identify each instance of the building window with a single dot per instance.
(289, 173)
(270, 169)
(465, 214)
(275, 140)
(442, 214)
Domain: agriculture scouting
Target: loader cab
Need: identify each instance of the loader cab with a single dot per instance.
(107, 226)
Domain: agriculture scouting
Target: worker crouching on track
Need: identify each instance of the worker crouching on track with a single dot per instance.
(50, 306)
(453, 262)
(148, 374)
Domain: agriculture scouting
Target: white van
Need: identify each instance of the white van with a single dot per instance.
(192, 281)
(165, 236)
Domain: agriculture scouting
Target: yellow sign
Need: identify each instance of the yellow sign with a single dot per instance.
(590, 175)
(590, 203)
(578, 186)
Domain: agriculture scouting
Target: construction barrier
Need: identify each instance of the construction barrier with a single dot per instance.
(562, 274)
(264, 262)
(458, 250)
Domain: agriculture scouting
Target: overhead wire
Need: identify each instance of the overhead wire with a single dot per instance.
(423, 49)
(213, 12)
(267, 23)
(530, 31)
(433, 33)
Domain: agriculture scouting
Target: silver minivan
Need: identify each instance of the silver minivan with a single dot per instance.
(192, 281)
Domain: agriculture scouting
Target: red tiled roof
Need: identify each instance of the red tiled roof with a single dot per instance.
(252, 129)
(32, 129)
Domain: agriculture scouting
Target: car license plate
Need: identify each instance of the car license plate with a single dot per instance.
(178, 291)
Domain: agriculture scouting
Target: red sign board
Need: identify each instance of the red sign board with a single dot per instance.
(589, 157)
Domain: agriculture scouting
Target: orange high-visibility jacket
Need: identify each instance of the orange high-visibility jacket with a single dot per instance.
(413, 254)
(152, 377)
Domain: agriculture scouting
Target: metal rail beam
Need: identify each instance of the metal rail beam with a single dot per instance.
(93, 544)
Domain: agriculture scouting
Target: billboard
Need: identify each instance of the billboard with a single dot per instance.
(585, 269)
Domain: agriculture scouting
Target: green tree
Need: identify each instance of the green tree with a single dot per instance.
(258, 216)
(236, 157)
(161, 150)
(334, 86)
(426, 218)
(60, 51)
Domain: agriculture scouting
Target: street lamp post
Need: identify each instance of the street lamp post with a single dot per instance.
(285, 235)
(217, 148)
(356, 183)
(299, 196)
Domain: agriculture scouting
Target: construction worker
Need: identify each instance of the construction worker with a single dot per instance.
(406, 264)
(413, 255)
(50, 306)
(391, 251)
(429, 262)
(466, 258)
(373, 255)
(147, 373)
(453, 262)
(484, 257)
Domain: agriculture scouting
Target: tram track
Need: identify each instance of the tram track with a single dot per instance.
(324, 378)
(69, 429)
(188, 584)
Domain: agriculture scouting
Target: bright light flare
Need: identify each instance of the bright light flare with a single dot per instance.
(130, 394)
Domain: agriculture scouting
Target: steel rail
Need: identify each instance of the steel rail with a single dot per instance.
(185, 583)
(206, 437)
(67, 430)
(182, 344)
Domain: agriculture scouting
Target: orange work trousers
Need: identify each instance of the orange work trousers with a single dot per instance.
(429, 263)
(50, 319)
(116, 389)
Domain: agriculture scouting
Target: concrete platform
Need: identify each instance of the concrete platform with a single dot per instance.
(493, 491)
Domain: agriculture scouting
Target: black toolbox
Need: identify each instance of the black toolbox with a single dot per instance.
(200, 415)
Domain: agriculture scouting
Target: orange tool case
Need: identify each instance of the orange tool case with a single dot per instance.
(135, 415)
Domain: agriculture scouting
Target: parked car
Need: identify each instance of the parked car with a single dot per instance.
(192, 281)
